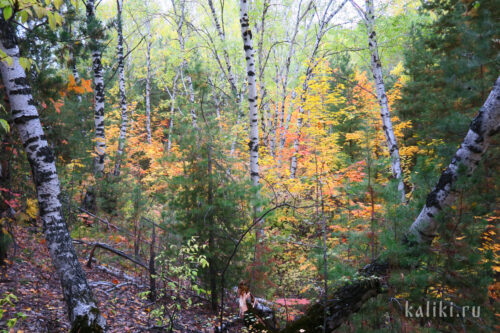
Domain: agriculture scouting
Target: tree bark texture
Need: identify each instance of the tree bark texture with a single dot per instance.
(123, 93)
(83, 312)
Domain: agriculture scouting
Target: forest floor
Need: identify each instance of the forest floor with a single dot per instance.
(30, 276)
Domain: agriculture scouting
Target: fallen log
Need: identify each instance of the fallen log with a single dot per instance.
(345, 301)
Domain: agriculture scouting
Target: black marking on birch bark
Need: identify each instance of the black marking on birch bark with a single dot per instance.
(24, 119)
(476, 124)
(21, 81)
(46, 154)
(21, 91)
(474, 149)
(14, 112)
(34, 139)
(31, 102)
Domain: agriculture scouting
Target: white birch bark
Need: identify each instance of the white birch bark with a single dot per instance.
(305, 86)
(123, 93)
(253, 143)
(100, 136)
(83, 312)
(481, 130)
(148, 75)
(194, 119)
(173, 95)
(376, 67)
(180, 17)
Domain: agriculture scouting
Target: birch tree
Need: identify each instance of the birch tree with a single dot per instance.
(376, 66)
(94, 45)
(253, 143)
(180, 19)
(83, 312)
(483, 127)
(123, 93)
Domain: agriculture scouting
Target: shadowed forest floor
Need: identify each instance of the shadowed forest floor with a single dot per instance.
(30, 276)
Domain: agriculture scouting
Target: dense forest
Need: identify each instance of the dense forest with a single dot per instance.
(249, 166)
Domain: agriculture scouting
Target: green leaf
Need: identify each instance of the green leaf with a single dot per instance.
(7, 13)
(25, 63)
(5, 125)
(24, 16)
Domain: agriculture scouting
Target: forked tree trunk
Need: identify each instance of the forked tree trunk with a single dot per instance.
(123, 93)
(83, 312)
(350, 298)
(98, 90)
(376, 66)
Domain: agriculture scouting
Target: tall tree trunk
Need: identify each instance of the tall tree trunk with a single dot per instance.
(148, 76)
(83, 312)
(194, 119)
(173, 95)
(230, 75)
(180, 17)
(376, 66)
(98, 89)
(123, 93)
(253, 143)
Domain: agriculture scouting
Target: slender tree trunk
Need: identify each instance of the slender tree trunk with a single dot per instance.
(194, 119)
(222, 36)
(148, 76)
(376, 66)
(123, 93)
(253, 143)
(98, 90)
(152, 270)
(83, 312)
(476, 142)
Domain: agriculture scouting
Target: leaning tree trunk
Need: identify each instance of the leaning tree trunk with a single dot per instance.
(123, 94)
(483, 127)
(350, 298)
(253, 143)
(83, 312)
(92, 26)
(382, 99)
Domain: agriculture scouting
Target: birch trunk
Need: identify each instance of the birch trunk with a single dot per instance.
(98, 92)
(172, 109)
(253, 143)
(123, 94)
(194, 119)
(483, 127)
(376, 67)
(230, 75)
(148, 76)
(83, 312)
